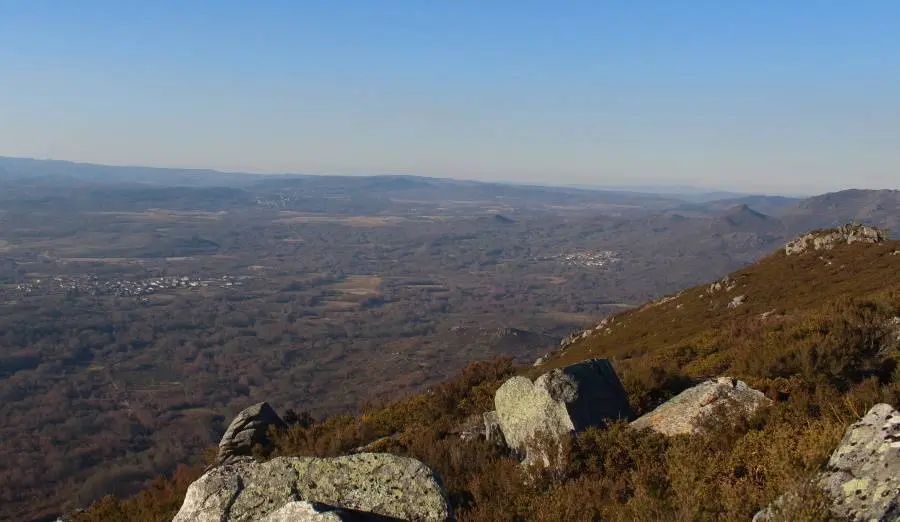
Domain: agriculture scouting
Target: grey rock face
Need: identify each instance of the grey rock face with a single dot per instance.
(827, 239)
(684, 412)
(377, 483)
(559, 402)
(863, 474)
(249, 428)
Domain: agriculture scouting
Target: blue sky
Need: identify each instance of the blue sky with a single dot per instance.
(776, 96)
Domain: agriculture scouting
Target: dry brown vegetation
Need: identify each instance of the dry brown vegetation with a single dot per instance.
(826, 353)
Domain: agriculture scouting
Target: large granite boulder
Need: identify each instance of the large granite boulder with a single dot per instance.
(862, 477)
(559, 402)
(248, 429)
(377, 483)
(686, 412)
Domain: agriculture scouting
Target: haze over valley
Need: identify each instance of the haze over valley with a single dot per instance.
(137, 318)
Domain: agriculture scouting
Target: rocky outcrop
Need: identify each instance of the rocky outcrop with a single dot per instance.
(862, 477)
(604, 325)
(248, 429)
(376, 483)
(827, 239)
(737, 301)
(726, 284)
(685, 412)
(559, 402)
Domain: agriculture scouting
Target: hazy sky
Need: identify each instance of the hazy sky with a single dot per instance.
(779, 95)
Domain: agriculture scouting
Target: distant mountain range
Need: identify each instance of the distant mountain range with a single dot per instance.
(45, 170)
(82, 185)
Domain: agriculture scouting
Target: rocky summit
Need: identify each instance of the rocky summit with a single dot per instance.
(686, 412)
(827, 239)
(559, 402)
(379, 484)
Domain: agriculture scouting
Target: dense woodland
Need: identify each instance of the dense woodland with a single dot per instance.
(134, 322)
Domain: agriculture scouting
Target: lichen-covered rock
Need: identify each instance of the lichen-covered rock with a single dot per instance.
(302, 511)
(863, 473)
(248, 429)
(377, 483)
(685, 412)
(559, 402)
(827, 239)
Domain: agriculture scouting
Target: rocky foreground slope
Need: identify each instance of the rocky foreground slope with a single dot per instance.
(767, 394)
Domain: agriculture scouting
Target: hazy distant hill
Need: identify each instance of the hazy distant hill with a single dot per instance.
(38, 178)
(770, 205)
(55, 171)
(832, 209)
